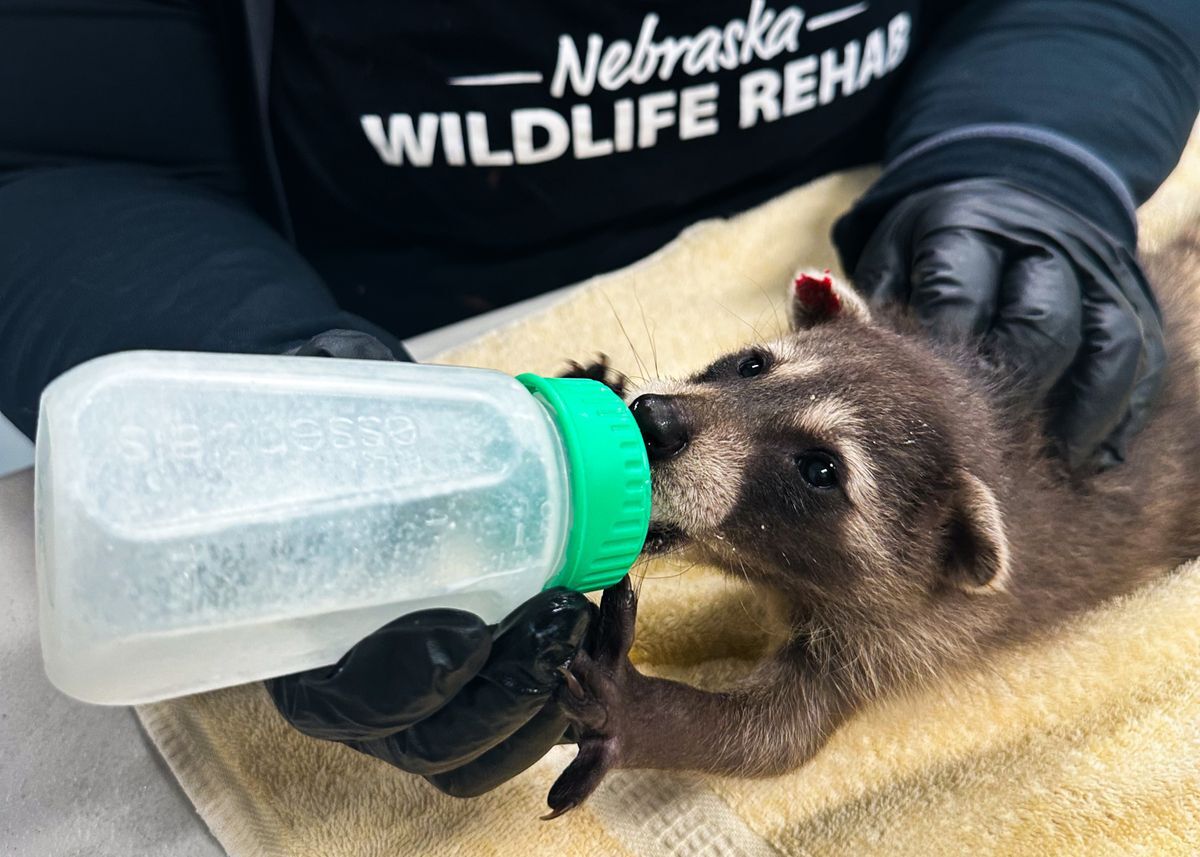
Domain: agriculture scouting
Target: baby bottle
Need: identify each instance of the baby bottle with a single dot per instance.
(205, 520)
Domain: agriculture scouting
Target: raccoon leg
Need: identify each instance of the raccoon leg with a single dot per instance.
(598, 370)
(624, 719)
(595, 709)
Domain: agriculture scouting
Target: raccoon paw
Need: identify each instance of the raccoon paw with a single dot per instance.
(598, 370)
(596, 689)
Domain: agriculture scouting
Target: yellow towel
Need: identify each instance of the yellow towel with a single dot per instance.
(1089, 744)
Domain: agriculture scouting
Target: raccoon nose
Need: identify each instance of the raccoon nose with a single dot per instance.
(661, 424)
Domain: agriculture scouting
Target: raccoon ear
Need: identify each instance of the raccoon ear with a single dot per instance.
(975, 549)
(818, 296)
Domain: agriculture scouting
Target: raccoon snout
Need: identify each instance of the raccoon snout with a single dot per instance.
(662, 425)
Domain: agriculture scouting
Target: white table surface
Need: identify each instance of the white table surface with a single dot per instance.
(81, 780)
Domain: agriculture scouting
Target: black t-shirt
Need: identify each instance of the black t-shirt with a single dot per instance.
(427, 146)
(137, 185)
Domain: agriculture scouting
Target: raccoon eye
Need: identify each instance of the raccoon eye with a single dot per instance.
(751, 366)
(818, 469)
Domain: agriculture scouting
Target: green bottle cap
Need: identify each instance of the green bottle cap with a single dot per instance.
(609, 476)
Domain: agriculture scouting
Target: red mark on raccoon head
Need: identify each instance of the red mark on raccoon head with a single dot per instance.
(817, 296)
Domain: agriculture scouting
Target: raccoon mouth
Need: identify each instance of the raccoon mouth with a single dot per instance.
(661, 538)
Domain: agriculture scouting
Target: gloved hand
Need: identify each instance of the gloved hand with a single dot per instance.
(439, 692)
(1054, 296)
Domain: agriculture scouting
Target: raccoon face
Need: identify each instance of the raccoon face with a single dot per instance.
(841, 453)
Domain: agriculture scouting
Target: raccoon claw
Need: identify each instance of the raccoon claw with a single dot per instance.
(590, 692)
(572, 683)
(618, 615)
(598, 689)
(587, 707)
(596, 757)
(597, 370)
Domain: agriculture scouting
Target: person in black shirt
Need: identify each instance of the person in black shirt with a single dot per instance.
(294, 176)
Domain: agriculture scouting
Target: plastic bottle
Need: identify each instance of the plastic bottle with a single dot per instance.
(205, 520)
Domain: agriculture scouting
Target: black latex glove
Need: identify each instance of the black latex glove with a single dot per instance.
(439, 692)
(349, 344)
(1055, 297)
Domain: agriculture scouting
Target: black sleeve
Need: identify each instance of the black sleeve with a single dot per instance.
(1089, 102)
(97, 259)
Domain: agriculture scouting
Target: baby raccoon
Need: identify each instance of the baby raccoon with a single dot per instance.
(898, 495)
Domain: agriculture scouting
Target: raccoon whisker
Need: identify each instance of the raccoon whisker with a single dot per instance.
(670, 576)
(633, 348)
(781, 326)
(623, 377)
(649, 333)
(637, 584)
(752, 327)
(741, 564)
